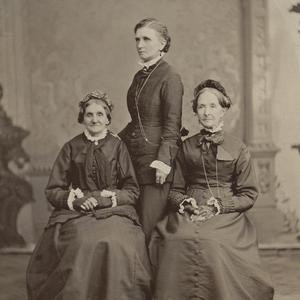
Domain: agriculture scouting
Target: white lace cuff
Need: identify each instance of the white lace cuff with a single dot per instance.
(112, 195)
(192, 201)
(77, 193)
(71, 199)
(114, 201)
(214, 202)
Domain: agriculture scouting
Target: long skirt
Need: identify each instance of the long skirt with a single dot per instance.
(213, 260)
(89, 258)
(152, 206)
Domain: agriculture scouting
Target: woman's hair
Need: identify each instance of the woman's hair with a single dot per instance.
(216, 88)
(158, 27)
(95, 97)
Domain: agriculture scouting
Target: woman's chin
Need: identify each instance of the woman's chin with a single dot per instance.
(208, 126)
(95, 132)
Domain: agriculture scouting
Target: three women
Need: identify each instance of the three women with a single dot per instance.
(93, 247)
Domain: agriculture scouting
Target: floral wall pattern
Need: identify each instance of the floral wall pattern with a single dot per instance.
(78, 46)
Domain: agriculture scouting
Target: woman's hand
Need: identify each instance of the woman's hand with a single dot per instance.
(160, 176)
(189, 206)
(195, 212)
(85, 204)
(205, 212)
(89, 204)
(191, 210)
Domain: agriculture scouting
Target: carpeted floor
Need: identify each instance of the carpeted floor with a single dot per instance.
(283, 267)
(12, 277)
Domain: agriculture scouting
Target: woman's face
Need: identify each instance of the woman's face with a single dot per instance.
(95, 119)
(148, 43)
(209, 111)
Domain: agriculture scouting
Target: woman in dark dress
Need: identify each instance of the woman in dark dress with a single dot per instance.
(154, 102)
(93, 246)
(206, 248)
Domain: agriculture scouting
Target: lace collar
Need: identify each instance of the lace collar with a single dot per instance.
(95, 139)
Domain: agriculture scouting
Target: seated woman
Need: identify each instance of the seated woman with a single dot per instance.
(93, 246)
(206, 248)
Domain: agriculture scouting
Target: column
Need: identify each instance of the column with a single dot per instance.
(14, 61)
(258, 131)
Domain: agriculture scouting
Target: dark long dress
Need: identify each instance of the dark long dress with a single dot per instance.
(99, 255)
(216, 259)
(157, 93)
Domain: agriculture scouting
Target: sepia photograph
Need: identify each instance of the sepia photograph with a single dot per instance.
(149, 150)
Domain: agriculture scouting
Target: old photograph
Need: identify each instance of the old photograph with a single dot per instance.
(150, 150)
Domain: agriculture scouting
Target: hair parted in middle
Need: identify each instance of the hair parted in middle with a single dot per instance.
(159, 27)
(96, 95)
(215, 87)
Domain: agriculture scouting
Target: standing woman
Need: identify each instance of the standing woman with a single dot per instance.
(93, 246)
(154, 101)
(206, 248)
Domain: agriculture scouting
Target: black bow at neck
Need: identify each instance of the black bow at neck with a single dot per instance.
(144, 72)
(208, 138)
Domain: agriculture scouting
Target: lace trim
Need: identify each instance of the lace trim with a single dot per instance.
(95, 139)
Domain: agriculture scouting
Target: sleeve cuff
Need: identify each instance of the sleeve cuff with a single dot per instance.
(114, 201)
(71, 199)
(192, 201)
(176, 199)
(214, 202)
(113, 195)
(77, 193)
(227, 205)
(157, 164)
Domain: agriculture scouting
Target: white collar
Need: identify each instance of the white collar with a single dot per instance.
(216, 129)
(95, 138)
(151, 62)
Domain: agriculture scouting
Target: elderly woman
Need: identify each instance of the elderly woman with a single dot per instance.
(154, 102)
(206, 248)
(93, 246)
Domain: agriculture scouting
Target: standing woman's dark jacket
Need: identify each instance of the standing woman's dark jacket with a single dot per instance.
(159, 104)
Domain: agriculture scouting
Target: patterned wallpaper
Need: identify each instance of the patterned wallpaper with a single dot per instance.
(76, 46)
